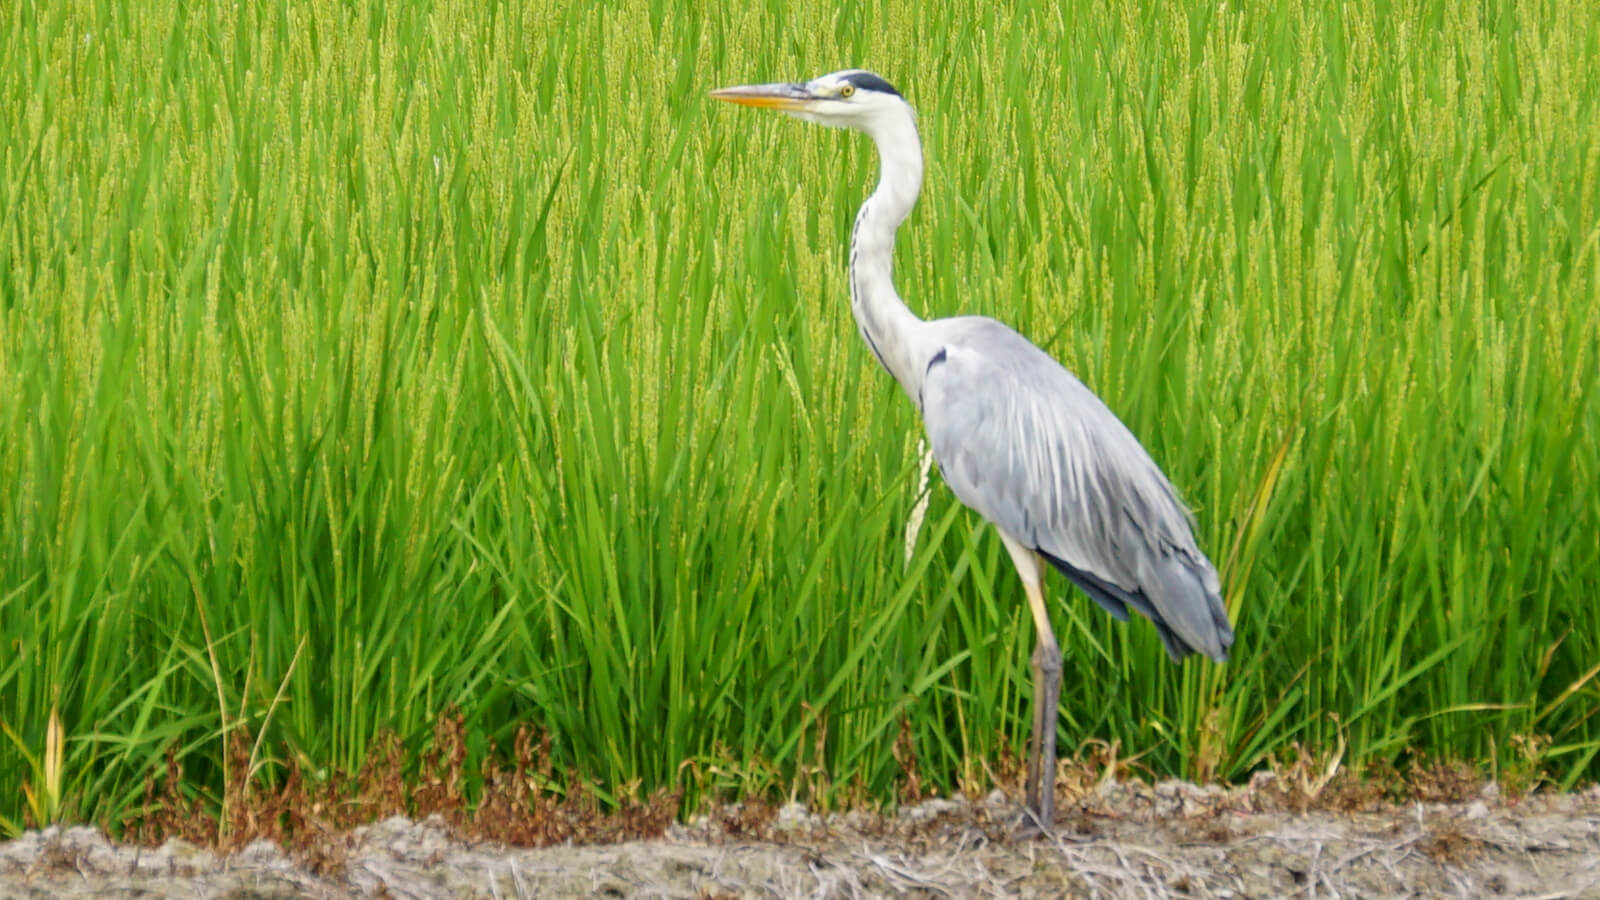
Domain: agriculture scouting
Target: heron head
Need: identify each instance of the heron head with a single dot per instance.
(853, 98)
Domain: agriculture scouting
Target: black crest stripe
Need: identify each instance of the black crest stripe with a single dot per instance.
(867, 81)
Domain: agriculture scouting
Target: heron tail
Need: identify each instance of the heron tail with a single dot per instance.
(1198, 621)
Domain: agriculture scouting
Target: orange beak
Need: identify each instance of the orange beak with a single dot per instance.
(767, 96)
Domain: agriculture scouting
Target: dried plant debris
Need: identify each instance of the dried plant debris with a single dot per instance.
(1119, 838)
(436, 825)
(517, 804)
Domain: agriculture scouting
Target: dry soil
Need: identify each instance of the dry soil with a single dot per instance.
(1126, 839)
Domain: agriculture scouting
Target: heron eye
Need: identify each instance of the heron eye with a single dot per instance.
(847, 91)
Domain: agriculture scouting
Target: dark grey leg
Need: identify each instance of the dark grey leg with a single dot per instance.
(1047, 701)
(1041, 786)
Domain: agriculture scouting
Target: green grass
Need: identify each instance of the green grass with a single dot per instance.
(361, 360)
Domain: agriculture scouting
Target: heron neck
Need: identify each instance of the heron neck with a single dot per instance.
(887, 325)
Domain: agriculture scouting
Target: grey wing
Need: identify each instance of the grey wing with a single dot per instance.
(1023, 442)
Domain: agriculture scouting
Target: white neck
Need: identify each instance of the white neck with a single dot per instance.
(888, 326)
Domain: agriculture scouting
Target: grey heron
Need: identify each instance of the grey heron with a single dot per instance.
(1017, 437)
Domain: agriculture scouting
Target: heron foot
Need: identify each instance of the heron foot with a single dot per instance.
(1029, 826)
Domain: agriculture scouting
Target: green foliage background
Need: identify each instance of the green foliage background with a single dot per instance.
(359, 360)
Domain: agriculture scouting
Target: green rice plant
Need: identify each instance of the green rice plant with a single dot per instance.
(357, 363)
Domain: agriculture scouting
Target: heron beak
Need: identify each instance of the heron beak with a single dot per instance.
(788, 97)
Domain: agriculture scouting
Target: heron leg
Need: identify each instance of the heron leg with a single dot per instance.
(1040, 799)
(1030, 797)
(1041, 787)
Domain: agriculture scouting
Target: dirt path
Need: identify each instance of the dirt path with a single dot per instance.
(1133, 840)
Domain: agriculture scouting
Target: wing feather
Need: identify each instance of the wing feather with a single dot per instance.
(1023, 442)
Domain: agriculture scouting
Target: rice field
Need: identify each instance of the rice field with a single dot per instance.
(360, 362)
